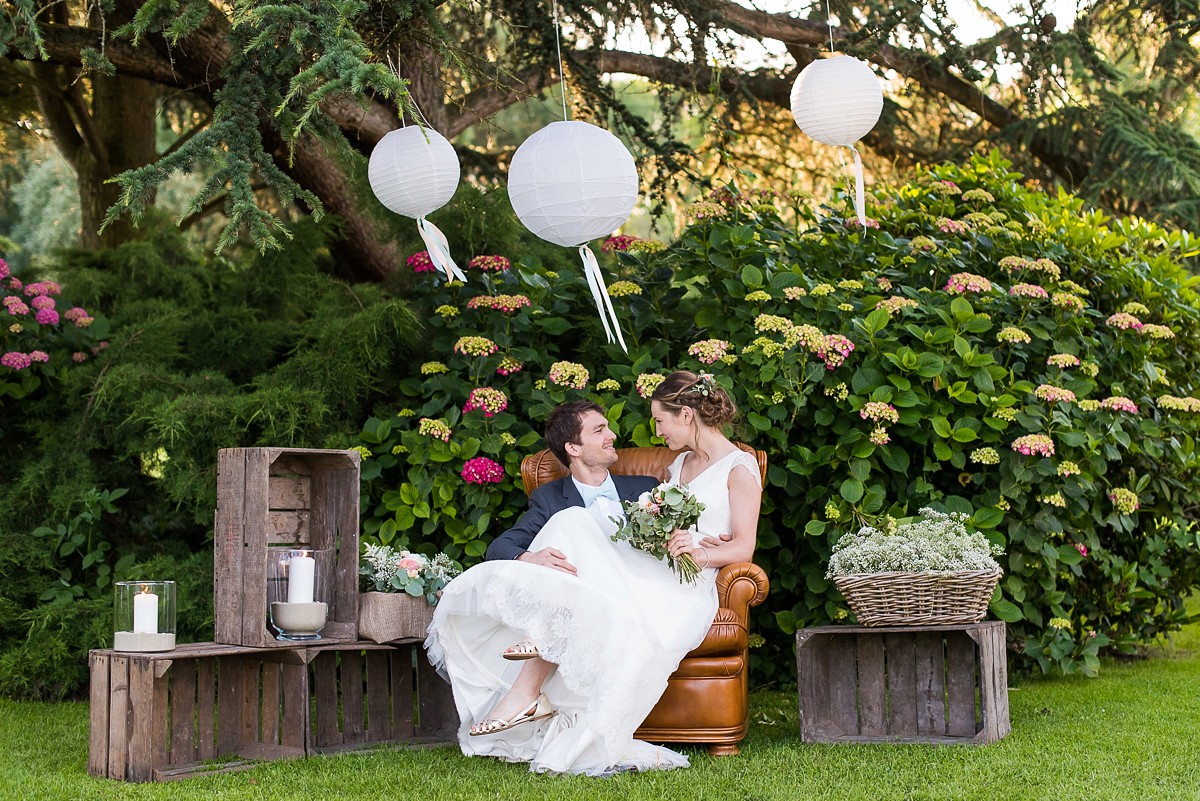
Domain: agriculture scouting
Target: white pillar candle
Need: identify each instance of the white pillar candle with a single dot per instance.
(302, 571)
(145, 613)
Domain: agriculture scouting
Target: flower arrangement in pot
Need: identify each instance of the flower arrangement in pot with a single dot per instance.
(927, 570)
(399, 591)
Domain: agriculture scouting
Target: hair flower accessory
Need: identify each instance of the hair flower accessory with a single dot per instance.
(704, 384)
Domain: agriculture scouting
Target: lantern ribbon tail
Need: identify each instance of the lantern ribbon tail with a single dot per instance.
(439, 250)
(600, 294)
(860, 206)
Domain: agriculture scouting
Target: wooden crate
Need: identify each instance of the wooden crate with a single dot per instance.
(925, 684)
(291, 497)
(163, 716)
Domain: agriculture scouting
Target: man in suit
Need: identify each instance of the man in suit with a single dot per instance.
(578, 434)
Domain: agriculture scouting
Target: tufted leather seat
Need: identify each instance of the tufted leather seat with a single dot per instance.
(706, 698)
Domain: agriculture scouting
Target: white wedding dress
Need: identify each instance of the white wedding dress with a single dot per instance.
(616, 631)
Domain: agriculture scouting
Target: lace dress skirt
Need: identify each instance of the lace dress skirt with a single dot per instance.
(616, 632)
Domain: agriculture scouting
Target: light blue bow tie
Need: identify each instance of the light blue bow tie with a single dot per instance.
(609, 492)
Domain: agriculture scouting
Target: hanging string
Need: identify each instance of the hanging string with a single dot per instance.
(562, 77)
(829, 24)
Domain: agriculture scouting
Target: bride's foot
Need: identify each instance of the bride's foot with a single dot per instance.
(538, 709)
(522, 650)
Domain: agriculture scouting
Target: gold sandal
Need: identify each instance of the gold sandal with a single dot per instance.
(539, 709)
(522, 650)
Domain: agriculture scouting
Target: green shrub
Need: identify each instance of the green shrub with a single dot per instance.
(929, 360)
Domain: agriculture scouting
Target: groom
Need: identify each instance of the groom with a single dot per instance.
(577, 433)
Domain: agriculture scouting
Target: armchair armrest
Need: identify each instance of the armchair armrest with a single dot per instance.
(741, 586)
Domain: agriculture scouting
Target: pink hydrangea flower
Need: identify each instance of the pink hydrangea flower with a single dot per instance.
(16, 360)
(1124, 321)
(1028, 291)
(1052, 394)
(4, 271)
(39, 356)
(74, 313)
(15, 306)
(420, 262)
(967, 282)
(79, 357)
(948, 226)
(486, 399)
(1118, 403)
(490, 264)
(620, 242)
(15, 284)
(1083, 551)
(835, 350)
(42, 302)
(482, 470)
(1034, 445)
(47, 317)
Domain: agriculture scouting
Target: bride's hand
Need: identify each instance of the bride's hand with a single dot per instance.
(680, 543)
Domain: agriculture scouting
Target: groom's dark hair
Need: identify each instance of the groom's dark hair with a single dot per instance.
(565, 425)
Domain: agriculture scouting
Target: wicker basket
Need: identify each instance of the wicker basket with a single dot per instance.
(918, 599)
(390, 616)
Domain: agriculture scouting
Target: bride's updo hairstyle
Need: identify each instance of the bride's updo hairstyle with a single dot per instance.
(700, 393)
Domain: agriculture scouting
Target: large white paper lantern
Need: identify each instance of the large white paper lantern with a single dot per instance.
(414, 171)
(572, 182)
(837, 101)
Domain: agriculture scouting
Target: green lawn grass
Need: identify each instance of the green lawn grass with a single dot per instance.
(1133, 733)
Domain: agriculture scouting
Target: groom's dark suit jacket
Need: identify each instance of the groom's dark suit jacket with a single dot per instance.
(549, 499)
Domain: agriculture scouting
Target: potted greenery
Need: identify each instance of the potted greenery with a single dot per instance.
(928, 570)
(399, 592)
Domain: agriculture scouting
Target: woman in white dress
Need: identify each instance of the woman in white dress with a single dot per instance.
(558, 669)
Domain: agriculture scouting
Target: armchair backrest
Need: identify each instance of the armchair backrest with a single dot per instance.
(542, 467)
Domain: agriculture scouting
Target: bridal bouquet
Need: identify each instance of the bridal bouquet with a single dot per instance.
(652, 519)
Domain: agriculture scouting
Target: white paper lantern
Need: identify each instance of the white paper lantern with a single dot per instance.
(572, 182)
(837, 100)
(414, 171)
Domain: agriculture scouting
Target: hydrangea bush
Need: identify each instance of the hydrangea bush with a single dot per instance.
(981, 348)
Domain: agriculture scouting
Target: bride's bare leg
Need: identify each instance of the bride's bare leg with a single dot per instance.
(526, 688)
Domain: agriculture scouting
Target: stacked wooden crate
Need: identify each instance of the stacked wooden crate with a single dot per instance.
(210, 707)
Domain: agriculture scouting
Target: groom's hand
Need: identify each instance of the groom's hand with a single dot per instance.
(549, 557)
(710, 542)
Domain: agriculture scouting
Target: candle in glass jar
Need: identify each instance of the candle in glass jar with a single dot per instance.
(302, 572)
(145, 612)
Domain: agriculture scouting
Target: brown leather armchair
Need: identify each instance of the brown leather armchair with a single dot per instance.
(706, 697)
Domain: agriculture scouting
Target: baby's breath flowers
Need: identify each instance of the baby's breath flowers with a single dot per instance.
(569, 374)
(933, 542)
(1126, 501)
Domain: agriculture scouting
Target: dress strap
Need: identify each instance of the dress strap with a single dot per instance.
(748, 461)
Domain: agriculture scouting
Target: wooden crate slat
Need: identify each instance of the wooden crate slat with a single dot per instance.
(324, 677)
(812, 663)
(98, 706)
(353, 710)
(288, 528)
(872, 687)
(183, 712)
(251, 701)
(294, 732)
(437, 714)
(206, 708)
(289, 492)
(162, 713)
(229, 705)
(379, 724)
(228, 544)
(270, 703)
(118, 718)
(403, 681)
(960, 686)
(141, 721)
(253, 593)
(345, 488)
(842, 680)
(930, 659)
(902, 683)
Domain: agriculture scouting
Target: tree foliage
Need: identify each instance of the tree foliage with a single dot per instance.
(1099, 103)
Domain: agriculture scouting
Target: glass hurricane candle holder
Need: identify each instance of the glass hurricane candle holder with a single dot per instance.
(298, 585)
(144, 616)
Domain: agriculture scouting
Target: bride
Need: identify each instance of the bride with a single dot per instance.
(559, 647)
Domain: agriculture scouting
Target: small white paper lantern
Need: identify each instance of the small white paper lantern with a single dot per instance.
(414, 171)
(572, 182)
(837, 100)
